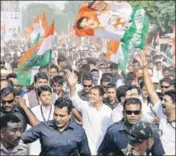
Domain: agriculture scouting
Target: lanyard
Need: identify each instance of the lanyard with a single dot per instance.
(170, 123)
(43, 113)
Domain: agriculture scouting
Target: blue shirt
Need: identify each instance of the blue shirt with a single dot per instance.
(21, 94)
(117, 139)
(71, 142)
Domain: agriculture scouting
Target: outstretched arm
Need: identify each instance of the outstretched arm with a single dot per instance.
(147, 79)
(31, 117)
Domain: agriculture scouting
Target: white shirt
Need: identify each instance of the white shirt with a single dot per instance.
(168, 130)
(117, 113)
(95, 122)
(46, 115)
(157, 74)
(25, 97)
(35, 147)
(148, 114)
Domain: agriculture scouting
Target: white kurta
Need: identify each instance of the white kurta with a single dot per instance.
(168, 130)
(95, 122)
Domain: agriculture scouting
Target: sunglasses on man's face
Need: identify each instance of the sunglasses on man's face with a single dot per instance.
(87, 86)
(9, 102)
(128, 112)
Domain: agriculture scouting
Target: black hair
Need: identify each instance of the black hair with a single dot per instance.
(171, 93)
(64, 102)
(100, 89)
(94, 70)
(130, 87)
(111, 85)
(58, 80)
(11, 75)
(160, 95)
(131, 76)
(121, 92)
(54, 66)
(140, 79)
(135, 61)
(6, 91)
(105, 79)
(43, 88)
(40, 75)
(133, 101)
(5, 119)
(142, 84)
(166, 69)
(67, 67)
(167, 80)
(61, 58)
(87, 77)
(85, 67)
(79, 22)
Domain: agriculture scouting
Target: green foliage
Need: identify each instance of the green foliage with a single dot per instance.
(161, 13)
(165, 14)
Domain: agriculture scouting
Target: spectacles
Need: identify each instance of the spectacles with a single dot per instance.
(10, 101)
(87, 86)
(133, 112)
(165, 87)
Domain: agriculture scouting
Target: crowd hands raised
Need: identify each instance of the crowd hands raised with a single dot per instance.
(81, 104)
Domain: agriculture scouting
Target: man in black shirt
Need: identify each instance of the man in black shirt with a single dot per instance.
(16, 106)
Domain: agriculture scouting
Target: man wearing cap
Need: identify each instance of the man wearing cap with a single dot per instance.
(117, 137)
(141, 138)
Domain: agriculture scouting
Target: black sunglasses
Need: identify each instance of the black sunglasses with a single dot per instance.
(87, 86)
(165, 87)
(132, 112)
(4, 102)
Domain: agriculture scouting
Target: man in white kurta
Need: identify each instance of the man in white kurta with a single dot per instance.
(96, 116)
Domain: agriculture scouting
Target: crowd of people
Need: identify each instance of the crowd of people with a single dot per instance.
(81, 104)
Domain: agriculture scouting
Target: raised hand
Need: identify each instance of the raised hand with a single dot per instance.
(142, 59)
(20, 101)
(71, 79)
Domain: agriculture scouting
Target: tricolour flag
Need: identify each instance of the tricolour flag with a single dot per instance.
(30, 29)
(39, 55)
(134, 38)
(121, 56)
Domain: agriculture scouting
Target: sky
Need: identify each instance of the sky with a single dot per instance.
(57, 3)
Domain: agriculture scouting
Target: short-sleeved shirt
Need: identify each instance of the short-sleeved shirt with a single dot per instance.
(117, 139)
(18, 112)
(20, 149)
(72, 141)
